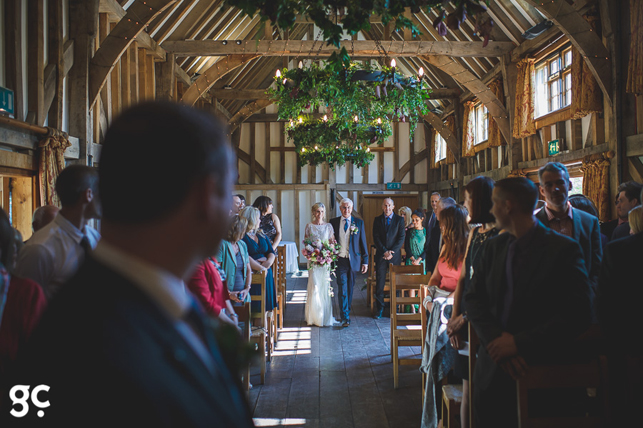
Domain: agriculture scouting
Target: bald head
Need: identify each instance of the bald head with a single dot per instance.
(43, 216)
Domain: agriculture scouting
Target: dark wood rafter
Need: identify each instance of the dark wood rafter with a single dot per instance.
(587, 41)
(138, 15)
(248, 111)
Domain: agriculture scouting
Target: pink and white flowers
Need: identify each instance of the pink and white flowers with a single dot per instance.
(354, 230)
(320, 253)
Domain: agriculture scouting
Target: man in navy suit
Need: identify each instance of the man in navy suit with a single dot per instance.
(123, 343)
(388, 236)
(353, 255)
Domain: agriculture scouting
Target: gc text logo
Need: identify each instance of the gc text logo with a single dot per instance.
(19, 394)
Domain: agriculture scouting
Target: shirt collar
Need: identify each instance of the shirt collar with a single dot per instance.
(389, 216)
(65, 225)
(164, 288)
(551, 216)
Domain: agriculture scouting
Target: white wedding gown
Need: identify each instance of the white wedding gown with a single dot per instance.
(319, 303)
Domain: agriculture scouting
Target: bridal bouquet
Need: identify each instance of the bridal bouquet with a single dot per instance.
(320, 253)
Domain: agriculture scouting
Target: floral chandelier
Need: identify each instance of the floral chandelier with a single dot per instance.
(360, 103)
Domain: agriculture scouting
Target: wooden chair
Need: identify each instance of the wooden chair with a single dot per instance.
(474, 342)
(279, 269)
(424, 318)
(590, 374)
(370, 281)
(403, 279)
(258, 334)
(451, 402)
(243, 312)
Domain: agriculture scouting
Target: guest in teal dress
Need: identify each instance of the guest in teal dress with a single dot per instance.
(262, 255)
(415, 240)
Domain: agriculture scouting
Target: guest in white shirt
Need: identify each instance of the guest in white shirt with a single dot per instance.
(54, 253)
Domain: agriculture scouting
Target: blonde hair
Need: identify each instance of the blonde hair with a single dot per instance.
(238, 227)
(253, 216)
(316, 207)
(635, 217)
(407, 215)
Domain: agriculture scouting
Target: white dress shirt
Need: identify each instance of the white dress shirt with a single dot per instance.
(53, 254)
(165, 289)
(344, 237)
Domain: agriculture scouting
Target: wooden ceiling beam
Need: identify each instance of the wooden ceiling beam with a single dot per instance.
(362, 48)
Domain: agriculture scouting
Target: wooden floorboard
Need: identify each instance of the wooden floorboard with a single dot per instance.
(333, 376)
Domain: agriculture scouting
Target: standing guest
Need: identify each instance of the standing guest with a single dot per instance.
(243, 201)
(405, 213)
(415, 242)
(43, 216)
(54, 253)
(236, 205)
(123, 341)
(628, 196)
(353, 255)
(261, 257)
(234, 259)
(508, 278)
(430, 220)
(388, 236)
(477, 201)
(635, 218)
(435, 234)
(559, 215)
(24, 303)
(269, 224)
(207, 284)
(455, 231)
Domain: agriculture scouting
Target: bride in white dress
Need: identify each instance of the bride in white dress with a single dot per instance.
(319, 304)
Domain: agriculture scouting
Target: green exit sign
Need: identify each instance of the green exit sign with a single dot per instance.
(393, 186)
(6, 101)
(554, 147)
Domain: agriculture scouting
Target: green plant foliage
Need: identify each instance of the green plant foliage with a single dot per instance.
(360, 102)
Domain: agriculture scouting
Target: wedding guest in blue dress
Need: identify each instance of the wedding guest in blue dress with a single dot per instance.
(262, 255)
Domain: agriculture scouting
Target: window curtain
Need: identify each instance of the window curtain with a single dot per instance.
(524, 123)
(450, 123)
(51, 161)
(434, 148)
(586, 94)
(635, 67)
(596, 184)
(495, 136)
(468, 124)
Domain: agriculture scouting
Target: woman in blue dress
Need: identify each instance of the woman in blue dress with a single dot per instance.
(262, 255)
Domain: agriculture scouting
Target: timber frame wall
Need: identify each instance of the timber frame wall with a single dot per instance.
(86, 60)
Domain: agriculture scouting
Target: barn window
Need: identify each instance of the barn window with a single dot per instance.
(441, 147)
(554, 82)
(481, 128)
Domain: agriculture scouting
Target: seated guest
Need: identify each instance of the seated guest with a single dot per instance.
(24, 304)
(415, 242)
(509, 277)
(261, 257)
(434, 235)
(455, 231)
(122, 342)
(618, 303)
(406, 213)
(477, 201)
(42, 216)
(234, 259)
(628, 196)
(635, 218)
(269, 223)
(583, 203)
(207, 283)
(54, 253)
(559, 215)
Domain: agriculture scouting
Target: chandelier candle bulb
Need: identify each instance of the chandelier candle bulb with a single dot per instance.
(278, 73)
(356, 119)
(325, 118)
(301, 64)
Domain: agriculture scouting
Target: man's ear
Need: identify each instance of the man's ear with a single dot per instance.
(88, 195)
(542, 191)
(571, 185)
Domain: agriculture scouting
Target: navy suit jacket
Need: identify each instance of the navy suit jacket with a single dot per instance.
(112, 357)
(587, 233)
(357, 249)
(393, 240)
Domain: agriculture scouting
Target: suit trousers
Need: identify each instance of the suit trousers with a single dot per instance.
(381, 266)
(345, 284)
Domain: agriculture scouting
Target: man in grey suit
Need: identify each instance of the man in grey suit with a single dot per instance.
(559, 215)
(515, 270)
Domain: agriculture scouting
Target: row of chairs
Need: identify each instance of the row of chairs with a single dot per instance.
(265, 333)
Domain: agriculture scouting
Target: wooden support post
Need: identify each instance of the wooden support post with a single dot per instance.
(126, 81)
(165, 77)
(576, 139)
(106, 91)
(561, 134)
(135, 84)
(396, 145)
(253, 154)
(12, 28)
(117, 104)
(143, 76)
(267, 164)
(282, 154)
(35, 55)
(56, 42)
(150, 89)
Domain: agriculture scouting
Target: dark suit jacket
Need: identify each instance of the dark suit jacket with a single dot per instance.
(112, 357)
(586, 232)
(433, 250)
(607, 228)
(550, 307)
(620, 293)
(621, 231)
(357, 249)
(391, 241)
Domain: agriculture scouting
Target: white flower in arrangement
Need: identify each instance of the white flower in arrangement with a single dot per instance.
(317, 243)
(309, 248)
(354, 230)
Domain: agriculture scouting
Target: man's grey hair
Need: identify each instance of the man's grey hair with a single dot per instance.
(447, 202)
(346, 201)
(436, 193)
(553, 167)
